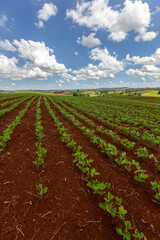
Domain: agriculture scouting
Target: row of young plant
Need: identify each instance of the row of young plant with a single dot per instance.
(140, 108)
(140, 152)
(8, 102)
(112, 204)
(127, 111)
(41, 151)
(10, 128)
(127, 114)
(4, 96)
(15, 105)
(110, 150)
(98, 114)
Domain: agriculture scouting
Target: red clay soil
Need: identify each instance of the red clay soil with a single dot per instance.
(9, 99)
(122, 134)
(9, 117)
(137, 197)
(147, 163)
(69, 210)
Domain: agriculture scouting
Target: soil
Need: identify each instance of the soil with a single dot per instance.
(134, 194)
(9, 117)
(68, 211)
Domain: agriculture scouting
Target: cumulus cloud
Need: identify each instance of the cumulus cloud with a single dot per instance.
(7, 45)
(154, 59)
(9, 69)
(48, 10)
(3, 20)
(106, 69)
(40, 62)
(76, 53)
(148, 36)
(39, 55)
(97, 14)
(13, 84)
(90, 41)
(149, 67)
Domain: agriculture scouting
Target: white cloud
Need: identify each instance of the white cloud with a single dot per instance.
(48, 10)
(40, 62)
(148, 71)
(40, 24)
(6, 45)
(9, 69)
(3, 20)
(152, 60)
(148, 36)
(97, 14)
(121, 82)
(156, 11)
(13, 84)
(149, 66)
(106, 69)
(90, 41)
(39, 55)
(76, 53)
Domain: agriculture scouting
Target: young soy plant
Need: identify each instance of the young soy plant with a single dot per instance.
(156, 187)
(41, 190)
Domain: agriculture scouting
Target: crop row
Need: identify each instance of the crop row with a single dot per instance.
(140, 152)
(11, 101)
(41, 151)
(8, 132)
(111, 204)
(101, 117)
(124, 115)
(7, 110)
(109, 149)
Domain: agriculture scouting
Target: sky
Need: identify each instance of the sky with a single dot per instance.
(85, 44)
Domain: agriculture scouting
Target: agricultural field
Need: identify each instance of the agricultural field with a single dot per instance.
(79, 167)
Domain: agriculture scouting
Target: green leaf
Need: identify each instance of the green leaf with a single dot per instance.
(110, 196)
(126, 235)
(119, 231)
(122, 212)
(118, 201)
(128, 225)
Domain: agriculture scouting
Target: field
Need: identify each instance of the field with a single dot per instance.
(79, 167)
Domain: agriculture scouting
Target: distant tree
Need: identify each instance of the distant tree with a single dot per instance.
(159, 92)
(77, 94)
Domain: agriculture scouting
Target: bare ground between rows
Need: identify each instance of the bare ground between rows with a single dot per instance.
(10, 99)
(136, 196)
(146, 163)
(135, 104)
(68, 211)
(85, 219)
(9, 117)
(121, 134)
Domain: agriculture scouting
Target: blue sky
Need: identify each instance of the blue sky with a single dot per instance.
(79, 44)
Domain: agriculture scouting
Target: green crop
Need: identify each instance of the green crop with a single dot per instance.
(156, 187)
(41, 190)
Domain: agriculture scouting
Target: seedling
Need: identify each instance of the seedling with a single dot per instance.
(98, 188)
(141, 176)
(139, 235)
(126, 234)
(156, 187)
(41, 190)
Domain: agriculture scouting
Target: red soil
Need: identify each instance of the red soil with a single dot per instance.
(68, 211)
(144, 212)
